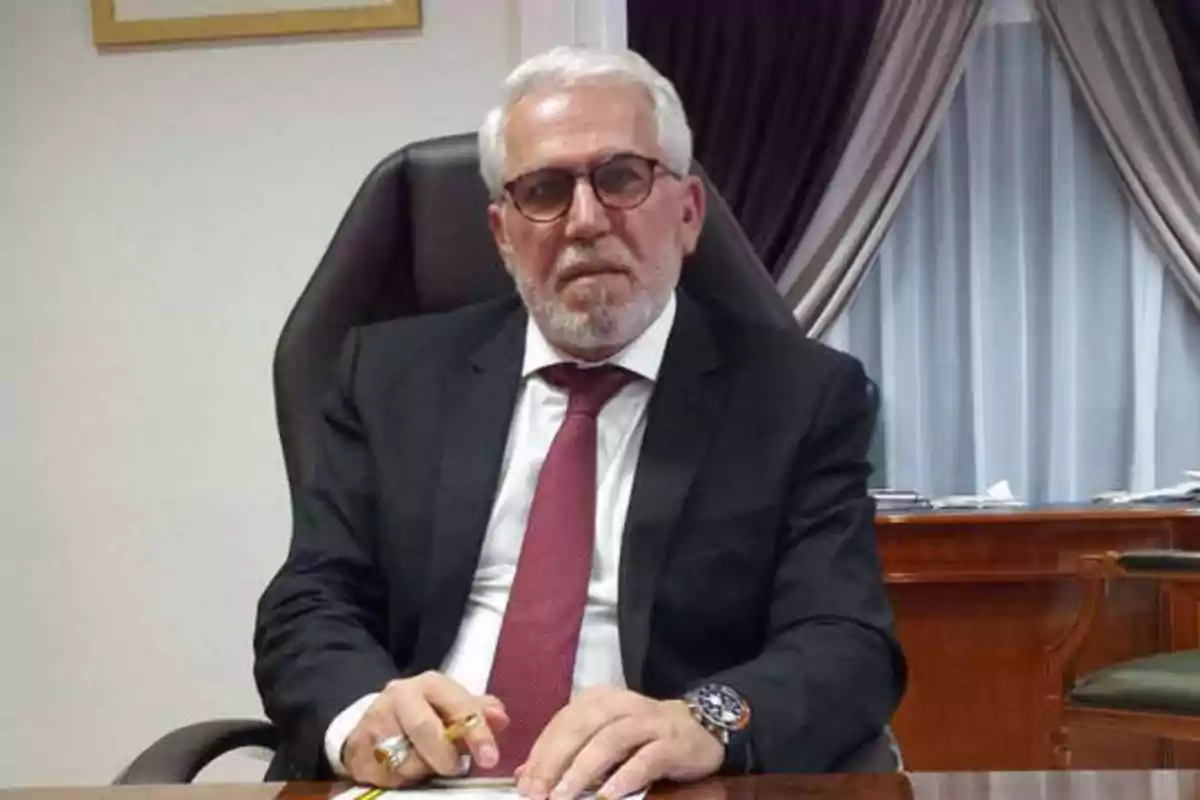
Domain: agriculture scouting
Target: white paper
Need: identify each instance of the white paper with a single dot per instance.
(998, 495)
(488, 791)
(1179, 493)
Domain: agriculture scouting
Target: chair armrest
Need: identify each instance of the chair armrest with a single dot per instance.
(881, 754)
(1062, 656)
(180, 755)
(1183, 565)
(1095, 571)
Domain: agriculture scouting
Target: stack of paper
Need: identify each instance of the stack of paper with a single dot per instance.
(998, 495)
(892, 500)
(1186, 492)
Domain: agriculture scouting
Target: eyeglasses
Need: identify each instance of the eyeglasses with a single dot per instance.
(622, 182)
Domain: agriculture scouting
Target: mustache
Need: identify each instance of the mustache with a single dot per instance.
(577, 260)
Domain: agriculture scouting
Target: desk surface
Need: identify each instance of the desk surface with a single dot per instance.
(1139, 785)
(1066, 512)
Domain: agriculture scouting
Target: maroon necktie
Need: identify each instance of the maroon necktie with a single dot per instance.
(535, 656)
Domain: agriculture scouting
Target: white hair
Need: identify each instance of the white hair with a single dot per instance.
(568, 66)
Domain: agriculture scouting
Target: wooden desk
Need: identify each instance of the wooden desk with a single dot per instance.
(1148, 785)
(979, 596)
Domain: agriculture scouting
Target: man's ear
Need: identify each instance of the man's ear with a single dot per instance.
(499, 231)
(695, 202)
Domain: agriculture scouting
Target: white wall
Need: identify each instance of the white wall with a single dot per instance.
(159, 212)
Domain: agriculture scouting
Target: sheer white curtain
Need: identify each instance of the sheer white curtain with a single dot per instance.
(1016, 321)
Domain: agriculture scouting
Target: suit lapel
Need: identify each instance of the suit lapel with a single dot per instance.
(687, 398)
(482, 396)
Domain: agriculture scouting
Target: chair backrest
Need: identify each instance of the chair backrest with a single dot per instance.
(415, 240)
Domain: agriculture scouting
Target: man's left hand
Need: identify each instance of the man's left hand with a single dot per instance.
(606, 728)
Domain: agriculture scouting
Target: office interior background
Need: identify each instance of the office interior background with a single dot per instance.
(163, 207)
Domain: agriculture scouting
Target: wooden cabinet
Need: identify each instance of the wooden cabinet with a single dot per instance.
(978, 598)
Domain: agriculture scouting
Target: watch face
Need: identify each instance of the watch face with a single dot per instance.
(722, 706)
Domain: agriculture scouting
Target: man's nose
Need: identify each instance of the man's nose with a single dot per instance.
(587, 217)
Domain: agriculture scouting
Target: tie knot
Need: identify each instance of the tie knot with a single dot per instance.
(588, 390)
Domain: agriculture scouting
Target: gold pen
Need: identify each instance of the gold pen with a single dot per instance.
(458, 729)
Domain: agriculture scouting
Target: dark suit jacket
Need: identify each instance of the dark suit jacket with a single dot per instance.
(749, 551)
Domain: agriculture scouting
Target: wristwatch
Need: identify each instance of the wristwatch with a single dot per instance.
(720, 709)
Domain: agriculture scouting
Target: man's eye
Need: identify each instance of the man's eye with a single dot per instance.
(543, 190)
(623, 171)
(617, 177)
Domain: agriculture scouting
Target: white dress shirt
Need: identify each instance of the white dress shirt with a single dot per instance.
(538, 413)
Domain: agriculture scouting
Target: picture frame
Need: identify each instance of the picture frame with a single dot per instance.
(188, 20)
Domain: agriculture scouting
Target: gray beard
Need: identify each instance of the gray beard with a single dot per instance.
(605, 326)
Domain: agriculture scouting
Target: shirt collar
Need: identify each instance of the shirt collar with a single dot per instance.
(643, 356)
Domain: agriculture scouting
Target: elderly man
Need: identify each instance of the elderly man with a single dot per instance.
(629, 535)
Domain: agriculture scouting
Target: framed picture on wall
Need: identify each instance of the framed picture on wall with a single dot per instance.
(129, 22)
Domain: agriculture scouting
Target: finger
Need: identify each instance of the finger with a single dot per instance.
(423, 726)
(365, 768)
(472, 732)
(453, 702)
(610, 746)
(413, 771)
(358, 751)
(492, 703)
(569, 731)
(638, 772)
(380, 723)
(496, 720)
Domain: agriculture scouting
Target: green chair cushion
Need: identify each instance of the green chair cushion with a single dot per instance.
(1168, 683)
(1160, 560)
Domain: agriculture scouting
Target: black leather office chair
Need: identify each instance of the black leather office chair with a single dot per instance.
(416, 240)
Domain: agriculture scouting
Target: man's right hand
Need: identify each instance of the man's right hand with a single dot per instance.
(420, 708)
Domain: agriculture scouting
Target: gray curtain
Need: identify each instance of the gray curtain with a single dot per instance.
(1017, 321)
(1120, 61)
(916, 61)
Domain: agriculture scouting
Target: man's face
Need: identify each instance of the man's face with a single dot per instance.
(596, 277)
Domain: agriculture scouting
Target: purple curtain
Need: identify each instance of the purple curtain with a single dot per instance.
(767, 86)
(1181, 18)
